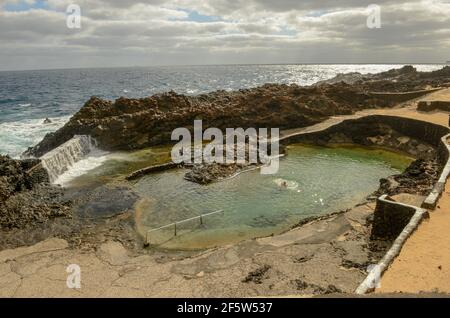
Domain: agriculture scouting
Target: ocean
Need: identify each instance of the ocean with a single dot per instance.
(28, 97)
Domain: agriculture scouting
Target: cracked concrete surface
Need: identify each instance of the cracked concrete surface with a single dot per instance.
(312, 254)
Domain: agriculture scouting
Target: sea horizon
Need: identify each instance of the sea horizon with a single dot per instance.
(221, 64)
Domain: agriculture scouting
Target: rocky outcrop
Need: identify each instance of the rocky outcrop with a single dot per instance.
(127, 124)
(26, 197)
(137, 123)
(207, 173)
(418, 178)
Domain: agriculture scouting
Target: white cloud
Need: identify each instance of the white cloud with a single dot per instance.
(240, 31)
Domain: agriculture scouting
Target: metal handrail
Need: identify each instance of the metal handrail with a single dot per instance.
(174, 224)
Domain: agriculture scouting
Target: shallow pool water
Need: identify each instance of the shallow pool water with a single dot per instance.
(311, 181)
(112, 167)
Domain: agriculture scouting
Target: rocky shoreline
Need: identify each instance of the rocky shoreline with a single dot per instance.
(127, 124)
(33, 210)
(26, 196)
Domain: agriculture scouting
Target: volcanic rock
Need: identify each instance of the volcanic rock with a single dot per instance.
(128, 124)
(26, 197)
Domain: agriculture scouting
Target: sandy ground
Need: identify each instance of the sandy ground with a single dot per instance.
(424, 262)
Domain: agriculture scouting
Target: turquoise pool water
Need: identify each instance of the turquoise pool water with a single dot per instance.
(311, 181)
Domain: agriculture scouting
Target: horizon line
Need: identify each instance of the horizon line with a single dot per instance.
(225, 64)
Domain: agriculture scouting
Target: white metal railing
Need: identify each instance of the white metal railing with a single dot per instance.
(174, 225)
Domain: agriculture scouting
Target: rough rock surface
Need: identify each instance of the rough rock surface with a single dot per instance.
(137, 123)
(418, 178)
(207, 173)
(26, 197)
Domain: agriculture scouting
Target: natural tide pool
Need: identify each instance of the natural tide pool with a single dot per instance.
(311, 181)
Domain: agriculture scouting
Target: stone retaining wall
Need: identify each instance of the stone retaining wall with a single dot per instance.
(403, 96)
(427, 106)
(390, 218)
(389, 212)
(359, 128)
(151, 169)
(431, 200)
(417, 215)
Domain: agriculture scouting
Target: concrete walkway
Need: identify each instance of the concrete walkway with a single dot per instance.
(407, 110)
(424, 262)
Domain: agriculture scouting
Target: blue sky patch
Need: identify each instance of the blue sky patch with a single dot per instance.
(24, 6)
(195, 16)
(317, 13)
(287, 31)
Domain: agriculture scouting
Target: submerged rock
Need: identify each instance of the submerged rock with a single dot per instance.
(103, 202)
(207, 173)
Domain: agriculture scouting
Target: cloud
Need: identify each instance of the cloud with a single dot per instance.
(116, 32)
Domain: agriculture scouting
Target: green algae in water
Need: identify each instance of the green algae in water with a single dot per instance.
(320, 180)
(118, 165)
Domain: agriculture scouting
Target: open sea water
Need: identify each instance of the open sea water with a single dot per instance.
(28, 97)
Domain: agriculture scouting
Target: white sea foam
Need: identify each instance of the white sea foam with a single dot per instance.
(62, 158)
(288, 184)
(17, 136)
(192, 91)
(95, 159)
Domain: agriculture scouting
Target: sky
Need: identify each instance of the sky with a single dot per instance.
(34, 34)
